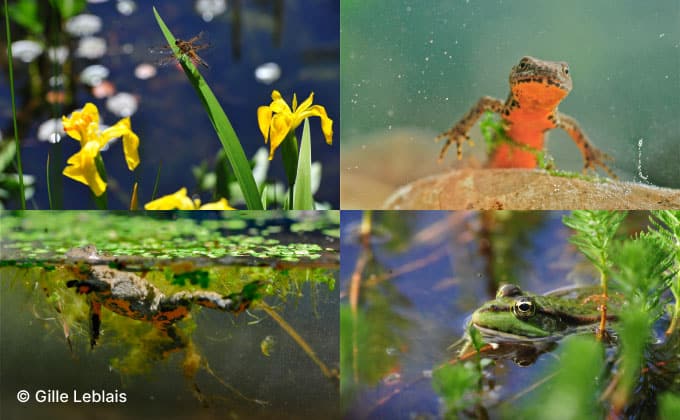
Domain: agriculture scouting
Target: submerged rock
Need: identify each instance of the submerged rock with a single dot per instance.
(520, 189)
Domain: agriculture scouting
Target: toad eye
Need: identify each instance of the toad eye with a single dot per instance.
(522, 64)
(524, 307)
(565, 69)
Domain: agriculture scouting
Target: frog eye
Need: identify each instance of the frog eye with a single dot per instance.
(524, 307)
(523, 64)
(565, 69)
(508, 290)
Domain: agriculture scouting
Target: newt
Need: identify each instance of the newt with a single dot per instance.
(536, 89)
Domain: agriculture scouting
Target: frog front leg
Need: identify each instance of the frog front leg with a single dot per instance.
(88, 287)
(592, 156)
(459, 132)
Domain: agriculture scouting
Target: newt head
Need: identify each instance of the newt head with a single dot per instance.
(540, 84)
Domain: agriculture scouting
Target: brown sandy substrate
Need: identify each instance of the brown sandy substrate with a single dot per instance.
(376, 165)
(519, 189)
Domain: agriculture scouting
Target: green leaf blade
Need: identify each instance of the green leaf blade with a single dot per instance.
(302, 191)
(221, 124)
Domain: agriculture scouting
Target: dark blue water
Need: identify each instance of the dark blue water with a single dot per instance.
(174, 131)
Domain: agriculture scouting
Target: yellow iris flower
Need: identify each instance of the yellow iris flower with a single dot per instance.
(277, 119)
(83, 126)
(180, 201)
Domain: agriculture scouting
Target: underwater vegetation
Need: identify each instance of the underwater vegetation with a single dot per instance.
(168, 294)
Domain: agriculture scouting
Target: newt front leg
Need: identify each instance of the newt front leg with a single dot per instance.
(459, 132)
(592, 156)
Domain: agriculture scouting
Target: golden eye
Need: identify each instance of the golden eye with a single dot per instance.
(524, 307)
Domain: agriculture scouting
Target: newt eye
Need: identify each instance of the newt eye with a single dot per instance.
(524, 307)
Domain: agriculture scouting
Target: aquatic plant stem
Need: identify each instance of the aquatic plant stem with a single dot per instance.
(364, 237)
(603, 311)
(232, 388)
(355, 285)
(134, 201)
(101, 201)
(676, 313)
(156, 182)
(47, 181)
(289, 154)
(22, 193)
(298, 339)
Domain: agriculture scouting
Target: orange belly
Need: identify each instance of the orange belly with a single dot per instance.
(509, 156)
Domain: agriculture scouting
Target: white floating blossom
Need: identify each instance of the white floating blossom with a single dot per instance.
(126, 7)
(26, 50)
(58, 54)
(122, 104)
(82, 25)
(268, 73)
(94, 74)
(91, 47)
(51, 130)
(56, 81)
(261, 167)
(315, 176)
(145, 71)
(208, 9)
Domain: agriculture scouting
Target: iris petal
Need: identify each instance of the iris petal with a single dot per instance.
(264, 120)
(277, 120)
(83, 125)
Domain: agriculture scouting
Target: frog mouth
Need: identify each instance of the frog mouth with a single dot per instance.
(503, 336)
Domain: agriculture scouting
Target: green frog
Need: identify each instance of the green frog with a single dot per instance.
(519, 316)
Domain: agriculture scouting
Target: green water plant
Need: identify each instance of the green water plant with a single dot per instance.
(594, 233)
(634, 373)
(10, 68)
(223, 128)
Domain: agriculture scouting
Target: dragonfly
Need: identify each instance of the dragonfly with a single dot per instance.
(188, 48)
